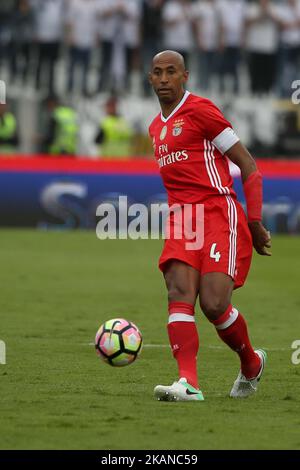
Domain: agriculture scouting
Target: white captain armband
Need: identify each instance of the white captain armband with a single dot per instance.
(225, 140)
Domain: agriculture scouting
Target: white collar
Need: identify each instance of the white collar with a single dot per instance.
(183, 100)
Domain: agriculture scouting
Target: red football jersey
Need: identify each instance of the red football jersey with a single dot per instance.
(190, 147)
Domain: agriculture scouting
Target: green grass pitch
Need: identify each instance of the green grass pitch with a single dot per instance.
(56, 290)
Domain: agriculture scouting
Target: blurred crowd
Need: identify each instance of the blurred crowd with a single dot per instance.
(224, 41)
(122, 35)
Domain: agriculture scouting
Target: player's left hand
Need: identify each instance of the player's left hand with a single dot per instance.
(261, 238)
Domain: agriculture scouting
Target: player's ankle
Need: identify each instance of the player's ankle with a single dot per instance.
(251, 370)
(190, 380)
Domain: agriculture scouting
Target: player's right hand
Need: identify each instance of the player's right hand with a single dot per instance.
(261, 238)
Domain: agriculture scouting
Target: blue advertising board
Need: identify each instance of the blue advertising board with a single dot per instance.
(65, 194)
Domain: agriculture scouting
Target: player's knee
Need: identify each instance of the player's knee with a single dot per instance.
(213, 307)
(178, 293)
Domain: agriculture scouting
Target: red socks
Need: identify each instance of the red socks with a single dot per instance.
(232, 329)
(183, 336)
(184, 340)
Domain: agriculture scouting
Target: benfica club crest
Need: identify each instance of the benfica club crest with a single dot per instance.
(177, 131)
(178, 126)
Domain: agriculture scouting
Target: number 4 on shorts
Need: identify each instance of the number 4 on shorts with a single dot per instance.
(213, 254)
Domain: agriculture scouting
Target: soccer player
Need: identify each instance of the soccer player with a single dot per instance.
(192, 139)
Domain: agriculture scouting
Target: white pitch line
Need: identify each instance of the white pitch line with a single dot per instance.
(154, 346)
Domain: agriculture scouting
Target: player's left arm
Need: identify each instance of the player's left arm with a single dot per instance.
(219, 131)
(252, 183)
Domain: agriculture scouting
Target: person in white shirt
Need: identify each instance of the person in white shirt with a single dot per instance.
(107, 29)
(131, 35)
(151, 32)
(289, 54)
(177, 27)
(48, 17)
(207, 26)
(125, 19)
(232, 27)
(22, 27)
(82, 25)
(262, 42)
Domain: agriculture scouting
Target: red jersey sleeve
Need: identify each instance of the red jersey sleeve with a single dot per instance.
(215, 127)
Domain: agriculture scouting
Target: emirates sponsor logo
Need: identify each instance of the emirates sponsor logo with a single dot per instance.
(165, 157)
(172, 157)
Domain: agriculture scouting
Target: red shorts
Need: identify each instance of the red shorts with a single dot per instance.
(227, 246)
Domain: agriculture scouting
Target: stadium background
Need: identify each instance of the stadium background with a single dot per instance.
(59, 282)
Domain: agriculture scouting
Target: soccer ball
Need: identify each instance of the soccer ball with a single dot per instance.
(118, 342)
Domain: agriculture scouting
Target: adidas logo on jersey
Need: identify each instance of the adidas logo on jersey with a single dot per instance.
(172, 158)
